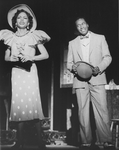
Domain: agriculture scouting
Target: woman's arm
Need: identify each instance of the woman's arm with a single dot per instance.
(43, 53)
(9, 57)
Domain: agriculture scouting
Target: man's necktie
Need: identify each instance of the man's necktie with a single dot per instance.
(84, 37)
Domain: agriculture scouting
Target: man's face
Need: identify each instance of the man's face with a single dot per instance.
(82, 26)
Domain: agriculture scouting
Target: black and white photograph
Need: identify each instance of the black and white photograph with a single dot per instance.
(59, 77)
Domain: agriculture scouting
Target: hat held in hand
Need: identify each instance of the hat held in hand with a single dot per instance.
(84, 70)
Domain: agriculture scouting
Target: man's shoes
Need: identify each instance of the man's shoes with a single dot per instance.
(109, 146)
(93, 146)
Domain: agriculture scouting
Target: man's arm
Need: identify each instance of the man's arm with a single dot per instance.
(106, 56)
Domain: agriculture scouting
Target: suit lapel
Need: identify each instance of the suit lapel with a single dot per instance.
(92, 42)
(78, 48)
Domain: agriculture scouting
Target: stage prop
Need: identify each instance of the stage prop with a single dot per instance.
(113, 106)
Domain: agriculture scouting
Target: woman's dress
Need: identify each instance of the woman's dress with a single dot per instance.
(26, 99)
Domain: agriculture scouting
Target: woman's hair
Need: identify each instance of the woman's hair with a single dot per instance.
(30, 18)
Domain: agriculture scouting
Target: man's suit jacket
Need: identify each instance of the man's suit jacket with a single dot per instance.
(99, 55)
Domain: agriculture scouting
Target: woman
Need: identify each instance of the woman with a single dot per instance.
(22, 44)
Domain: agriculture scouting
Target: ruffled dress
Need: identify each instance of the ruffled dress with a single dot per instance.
(26, 99)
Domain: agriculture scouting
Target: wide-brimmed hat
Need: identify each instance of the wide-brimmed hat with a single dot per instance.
(84, 70)
(25, 7)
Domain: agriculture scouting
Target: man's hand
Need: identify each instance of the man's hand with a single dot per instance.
(96, 71)
(74, 70)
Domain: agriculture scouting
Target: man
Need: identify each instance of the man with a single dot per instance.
(93, 49)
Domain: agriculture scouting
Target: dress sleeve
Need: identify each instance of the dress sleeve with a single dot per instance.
(6, 36)
(40, 37)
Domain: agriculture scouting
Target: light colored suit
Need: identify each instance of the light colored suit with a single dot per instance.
(99, 55)
(93, 90)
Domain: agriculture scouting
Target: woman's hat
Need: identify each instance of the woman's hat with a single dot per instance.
(14, 9)
(84, 70)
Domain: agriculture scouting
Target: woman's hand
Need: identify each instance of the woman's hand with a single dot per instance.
(25, 58)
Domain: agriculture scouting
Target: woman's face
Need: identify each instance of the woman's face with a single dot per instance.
(22, 20)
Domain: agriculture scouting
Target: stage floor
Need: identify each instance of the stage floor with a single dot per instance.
(51, 147)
